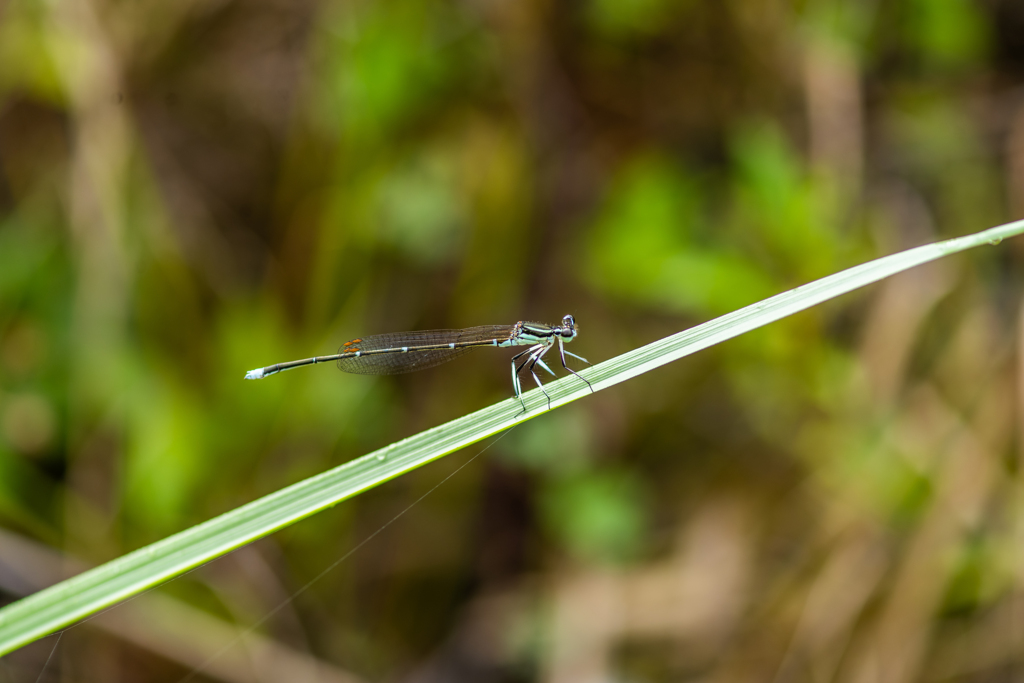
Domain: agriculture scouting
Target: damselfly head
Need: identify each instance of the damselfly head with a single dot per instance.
(568, 327)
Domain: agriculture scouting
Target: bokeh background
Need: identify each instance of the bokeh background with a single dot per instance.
(192, 189)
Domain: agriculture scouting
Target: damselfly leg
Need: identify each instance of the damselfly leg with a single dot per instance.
(564, 353)
(516, 384)
(535, 356)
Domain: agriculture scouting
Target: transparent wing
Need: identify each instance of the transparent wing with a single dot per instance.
(398, 362)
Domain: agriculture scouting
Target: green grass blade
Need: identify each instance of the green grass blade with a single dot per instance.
(63, 604)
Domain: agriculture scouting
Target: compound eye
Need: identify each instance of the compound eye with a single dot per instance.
(568, 321)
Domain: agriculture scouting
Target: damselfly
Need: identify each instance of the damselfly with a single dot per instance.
(392, 354)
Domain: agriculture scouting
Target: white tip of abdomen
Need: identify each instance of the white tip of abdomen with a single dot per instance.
(254, 374)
